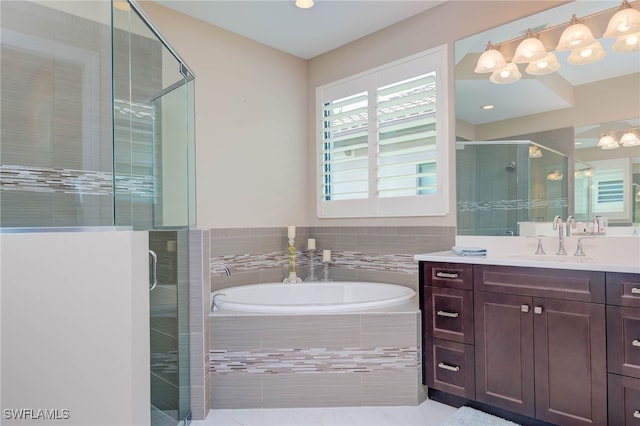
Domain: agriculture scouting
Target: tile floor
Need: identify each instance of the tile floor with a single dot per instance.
(429, 413)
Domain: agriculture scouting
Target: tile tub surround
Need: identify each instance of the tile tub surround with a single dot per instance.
(379, 254)
(271, 361)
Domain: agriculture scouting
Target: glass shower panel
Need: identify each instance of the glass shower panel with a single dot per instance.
(153, 148)
(55, 139)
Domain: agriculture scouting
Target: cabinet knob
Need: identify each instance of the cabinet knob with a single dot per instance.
(636, 414)
(636, 342)
(448, 367)
(452, 275)
(448, 314)
(537, 310)
(524, 308)
(635, 290)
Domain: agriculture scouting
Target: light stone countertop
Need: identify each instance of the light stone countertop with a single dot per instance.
(608, 254)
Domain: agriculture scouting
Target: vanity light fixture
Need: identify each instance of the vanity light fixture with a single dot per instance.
(490, 60)
(506, 75)
(579, 37)
(529, 49)
(587, 54)
(626, 21)
(576, 35)
(629, 139)
(607, 142)
(547, 65)
(627, 44)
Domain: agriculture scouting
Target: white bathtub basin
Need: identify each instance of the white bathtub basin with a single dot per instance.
(311, 297)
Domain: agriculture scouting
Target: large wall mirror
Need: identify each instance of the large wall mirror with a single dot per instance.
(527, 150)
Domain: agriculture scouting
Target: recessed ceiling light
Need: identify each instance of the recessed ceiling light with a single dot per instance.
(304, 4)
(488, 107)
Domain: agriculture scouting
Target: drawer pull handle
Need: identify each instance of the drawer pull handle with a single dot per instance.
(524, 308)
(635, 290)
(636, 342)
(636, 414)
(537, 310)
(448, 314)
(452, 275)
(449, 367)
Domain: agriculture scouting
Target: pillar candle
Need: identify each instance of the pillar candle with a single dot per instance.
(311, 244)
(326, 255)
(291, 232)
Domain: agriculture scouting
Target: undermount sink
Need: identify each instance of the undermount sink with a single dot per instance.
(554, 258)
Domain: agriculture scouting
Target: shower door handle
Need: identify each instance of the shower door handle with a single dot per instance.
(153, 266)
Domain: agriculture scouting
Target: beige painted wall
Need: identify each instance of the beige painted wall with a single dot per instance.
(250, 124)
(255, 109)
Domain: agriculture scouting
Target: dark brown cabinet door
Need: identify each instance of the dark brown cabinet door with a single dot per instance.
(624, 401)
(570, 362)
(504, 351)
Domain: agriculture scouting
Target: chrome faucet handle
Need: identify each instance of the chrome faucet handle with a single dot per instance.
(579, 250)
(539, 250)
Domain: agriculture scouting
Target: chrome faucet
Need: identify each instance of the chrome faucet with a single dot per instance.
(559, 226)
(579, 250)
(570, 223)
(222, 266)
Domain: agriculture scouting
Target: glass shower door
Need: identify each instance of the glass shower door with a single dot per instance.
(154, 187)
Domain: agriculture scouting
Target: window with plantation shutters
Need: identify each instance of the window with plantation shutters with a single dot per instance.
(611, 188)
(382, 141)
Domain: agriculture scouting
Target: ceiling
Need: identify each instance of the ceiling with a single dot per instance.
(304, 33)
(334, 23)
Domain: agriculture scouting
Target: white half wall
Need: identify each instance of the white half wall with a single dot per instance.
(75, 328)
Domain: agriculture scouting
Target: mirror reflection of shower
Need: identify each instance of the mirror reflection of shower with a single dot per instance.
(502, 185)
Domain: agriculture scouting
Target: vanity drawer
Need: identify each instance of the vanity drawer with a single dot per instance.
(623, 289)
(565, 284)
(623, 340)
(453, 275)
(624, 400)
(450, 367)
(449, 314)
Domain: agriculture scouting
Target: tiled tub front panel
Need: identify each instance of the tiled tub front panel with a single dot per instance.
(315, 360)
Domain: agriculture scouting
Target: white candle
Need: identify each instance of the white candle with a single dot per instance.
(326, 255)
(291, 232)
(311, 244)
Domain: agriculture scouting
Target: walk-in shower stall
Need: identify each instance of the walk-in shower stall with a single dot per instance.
(501, 184)
(97, 134)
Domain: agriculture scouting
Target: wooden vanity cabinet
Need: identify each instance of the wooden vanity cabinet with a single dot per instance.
(535, 339)
(448, 327)
(623, 348)
(543, 357)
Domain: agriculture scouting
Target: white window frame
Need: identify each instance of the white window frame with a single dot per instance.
(436, 204)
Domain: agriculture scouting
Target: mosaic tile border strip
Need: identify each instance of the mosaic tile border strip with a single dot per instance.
(471, 206)
(353, 260)
(71, 181)
(314, 360)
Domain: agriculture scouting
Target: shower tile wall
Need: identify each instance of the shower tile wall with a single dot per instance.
(382, 254)
(56, 156)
